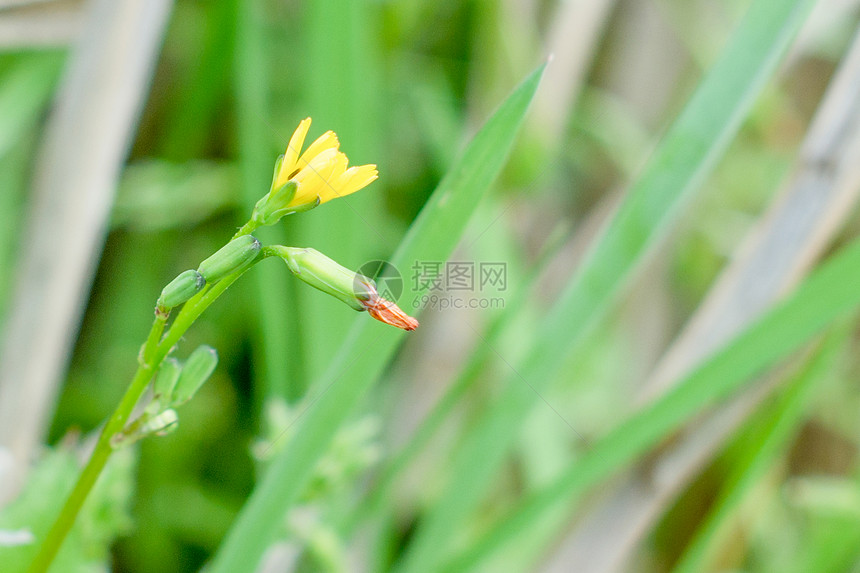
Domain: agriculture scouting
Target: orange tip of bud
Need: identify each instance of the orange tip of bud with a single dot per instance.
(389, 313)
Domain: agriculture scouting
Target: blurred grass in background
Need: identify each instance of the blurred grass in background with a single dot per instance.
(405, 85)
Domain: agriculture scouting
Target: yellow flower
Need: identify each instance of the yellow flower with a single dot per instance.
(321, 171)
(304, 180)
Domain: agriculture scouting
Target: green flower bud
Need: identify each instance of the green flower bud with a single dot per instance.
(324, 274)
(166, 379)
(197, 369)
(161, 425)
(180, 289)
(232, 257)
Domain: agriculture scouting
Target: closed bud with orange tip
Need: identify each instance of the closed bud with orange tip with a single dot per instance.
(351, 287)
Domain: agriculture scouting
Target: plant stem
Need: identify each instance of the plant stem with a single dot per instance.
(247, 228)
(97, 461)
(152, 355)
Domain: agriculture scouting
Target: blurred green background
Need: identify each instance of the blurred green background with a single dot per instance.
(405, 85)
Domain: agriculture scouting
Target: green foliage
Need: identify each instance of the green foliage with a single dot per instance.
(326, 441)
(352, 451)
(432, 237)
(27, 82)
(824, 297)
(159, 196)
(105, 516)
(690, 147)
(760, 447)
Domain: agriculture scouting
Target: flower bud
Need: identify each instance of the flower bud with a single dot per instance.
(158, 423)
(197, 369)
(180, 289)
(324, 274)
(232, 257)
(161, 425)
(389, 313)
(166, 379)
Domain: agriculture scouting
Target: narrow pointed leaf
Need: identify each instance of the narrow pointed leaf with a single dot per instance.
(370, 345)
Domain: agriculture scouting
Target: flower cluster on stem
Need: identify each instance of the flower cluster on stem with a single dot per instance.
(302, 180)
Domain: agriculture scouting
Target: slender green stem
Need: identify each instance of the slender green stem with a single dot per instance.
(247, 228)
(152, 355)
(149, 348)
(54, 539)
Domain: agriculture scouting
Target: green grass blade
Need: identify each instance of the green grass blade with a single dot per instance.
(191, 113)
(830, 544)
(381, 496)
(369, 345)
(760, 450)
(340, 80)
(829, 294)
(269, 283)
(689, 149)
(25, 91)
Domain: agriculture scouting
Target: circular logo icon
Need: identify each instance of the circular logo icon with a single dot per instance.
(389, 281)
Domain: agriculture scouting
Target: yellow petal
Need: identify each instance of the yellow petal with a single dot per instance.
(340, 163)
(321, 170)
(331, 189)
(327, 140)
(291, 155)
(315, 177)
(356, 178)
